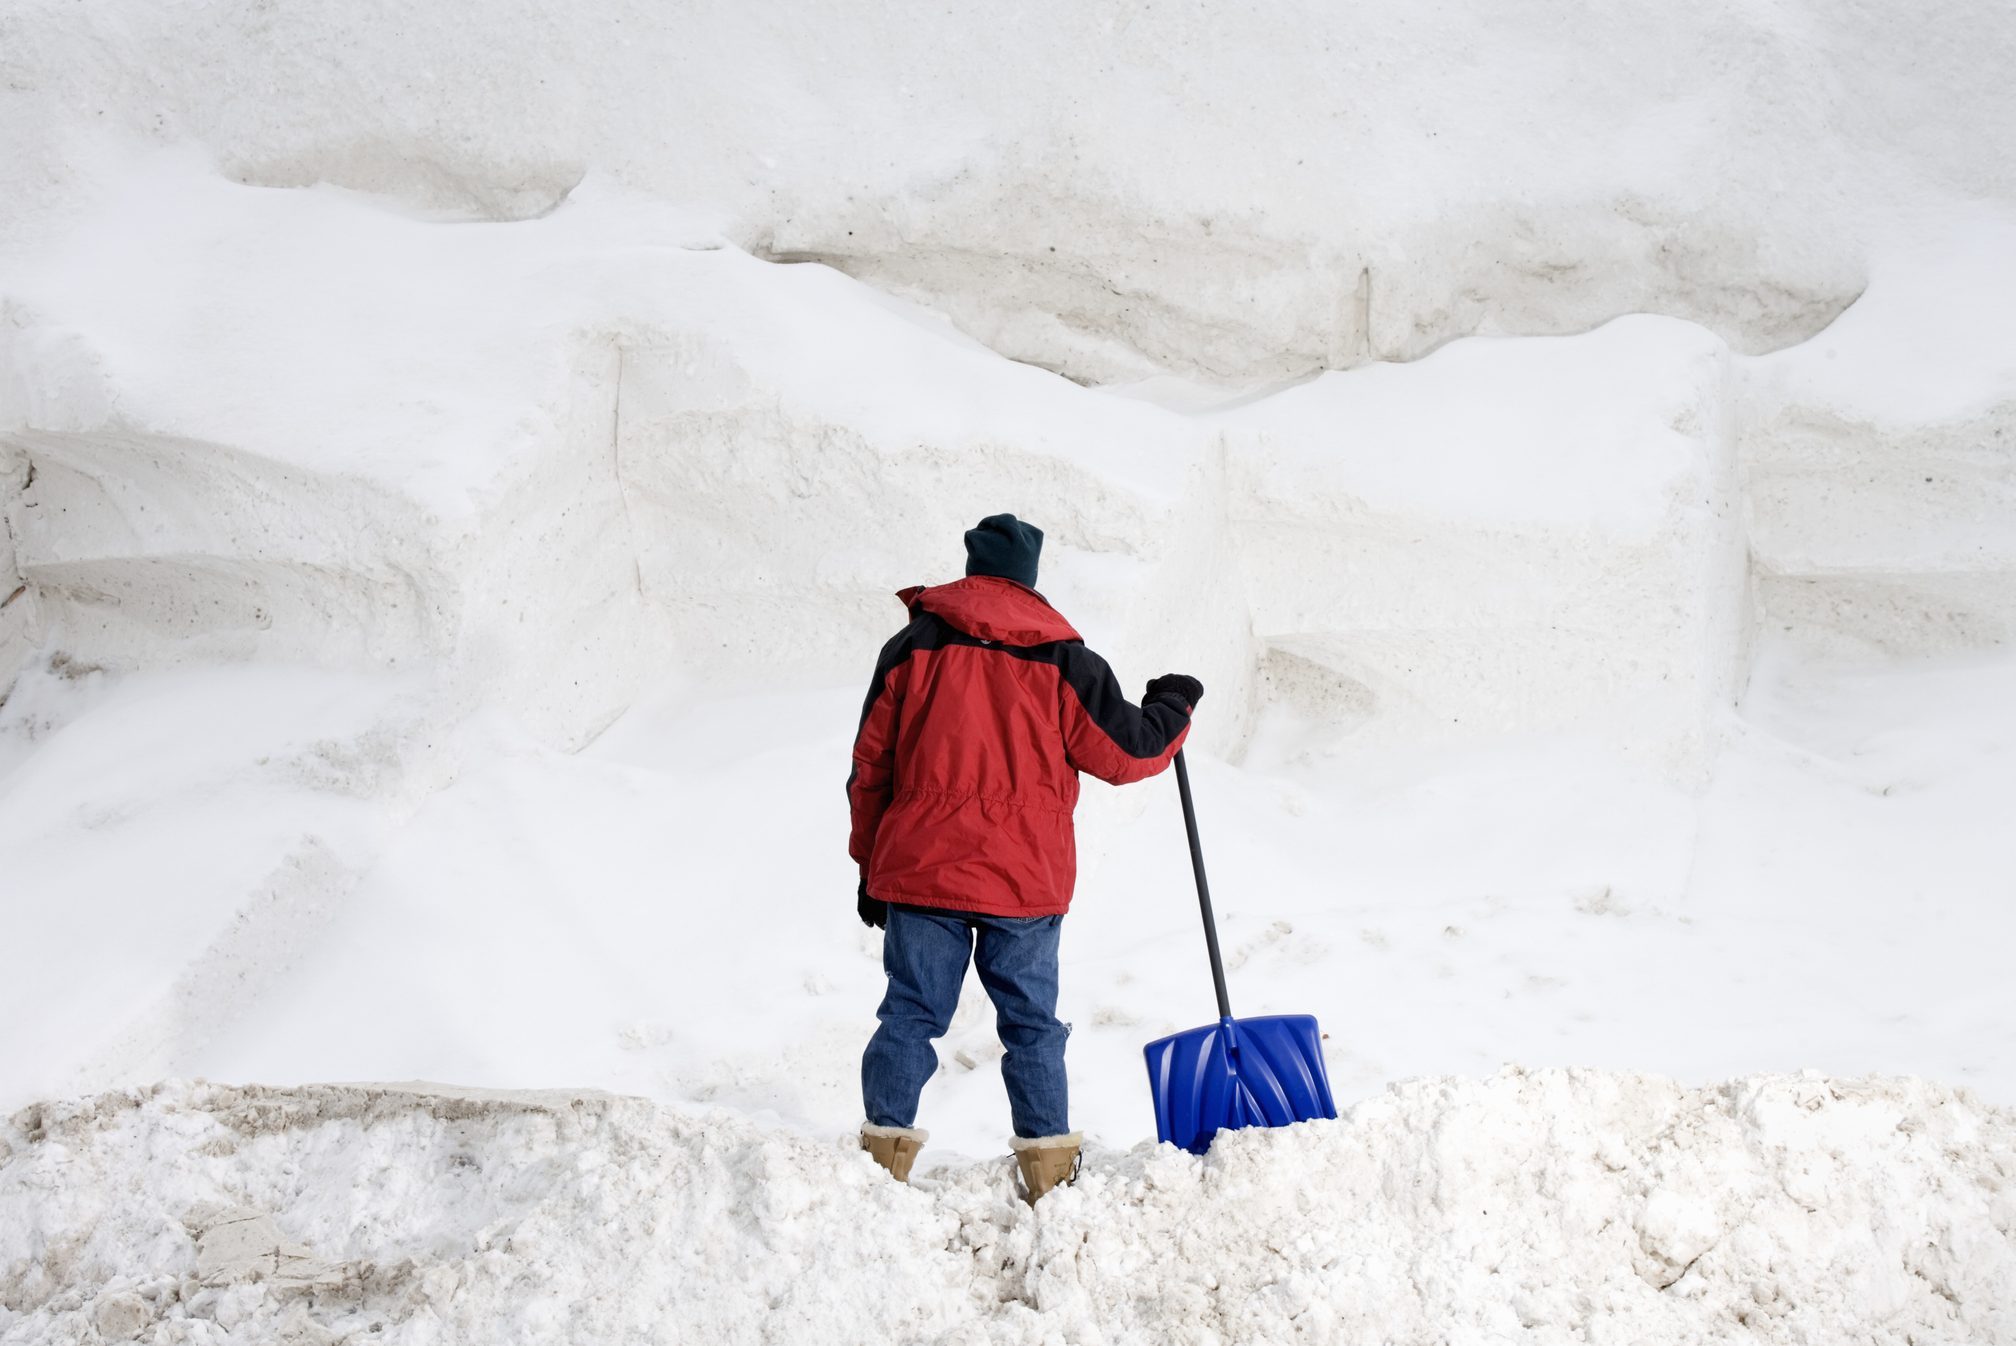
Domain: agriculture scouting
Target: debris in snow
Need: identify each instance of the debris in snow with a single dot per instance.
(244, 1244)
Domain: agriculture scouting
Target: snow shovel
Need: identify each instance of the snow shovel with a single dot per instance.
(1237, 1072)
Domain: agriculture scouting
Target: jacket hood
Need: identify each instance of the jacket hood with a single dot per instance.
(990, 608)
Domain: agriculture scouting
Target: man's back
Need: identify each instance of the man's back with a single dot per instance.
(981, 714)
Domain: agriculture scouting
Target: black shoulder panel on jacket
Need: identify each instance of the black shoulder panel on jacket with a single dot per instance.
(1142, 732)
(899, 647)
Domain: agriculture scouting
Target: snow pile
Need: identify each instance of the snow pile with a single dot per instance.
(375, 345)
(1507, 535)
(1231, 194)
(1568, 1205)
(1879, 459)
(553, 460)
(665, 913)
(202, 828)
(444, 541)
(559, 461)
(601, 473)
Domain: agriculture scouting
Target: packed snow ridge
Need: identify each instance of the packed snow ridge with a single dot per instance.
(1112, 192)
(438, 540)
(1552, 1205)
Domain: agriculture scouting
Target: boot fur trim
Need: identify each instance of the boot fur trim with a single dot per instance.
(898, 1132)
(1021, 1143)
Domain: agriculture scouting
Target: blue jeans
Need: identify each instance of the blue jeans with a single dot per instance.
(925, 954)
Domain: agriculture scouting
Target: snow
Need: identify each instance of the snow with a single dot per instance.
(1112, 192)
(1508, 431)
(1566, 1205)
(1833, 899)
(455, 468)
(1932, 338)
(1564, 507)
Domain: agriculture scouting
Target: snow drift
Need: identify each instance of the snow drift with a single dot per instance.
(1553, 1206)
(454, 469)
(1230, 194)
(555, 460)
(502, 485)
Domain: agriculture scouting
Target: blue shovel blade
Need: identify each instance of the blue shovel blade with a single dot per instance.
(1236, 1073)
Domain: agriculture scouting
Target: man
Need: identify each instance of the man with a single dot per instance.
(981, 714)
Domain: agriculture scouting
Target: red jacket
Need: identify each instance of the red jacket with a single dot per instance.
(981, 715)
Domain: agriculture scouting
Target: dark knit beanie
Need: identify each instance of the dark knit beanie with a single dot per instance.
(1005, 546)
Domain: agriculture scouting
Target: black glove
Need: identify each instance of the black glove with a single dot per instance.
(1175, 687)
(873, 910)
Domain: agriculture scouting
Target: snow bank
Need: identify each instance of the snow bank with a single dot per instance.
(1567, 1206)
(1511, 535)
(233, 457)
(514, 478)
(390, 400)
(188, 841)
(553, 461)
(1880, 458)
(562, 459)
(664, 913)
(1231, 194)
(421, 343)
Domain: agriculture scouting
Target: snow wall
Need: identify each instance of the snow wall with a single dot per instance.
(509, 416)
(1111, 190)
(1415, 374)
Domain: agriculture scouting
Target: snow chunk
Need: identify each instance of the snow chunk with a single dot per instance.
(1552, 1201)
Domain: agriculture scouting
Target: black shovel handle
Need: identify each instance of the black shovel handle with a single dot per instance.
(1203, 888)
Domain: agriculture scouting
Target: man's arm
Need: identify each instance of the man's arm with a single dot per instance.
(1108, 735)
(873, 778)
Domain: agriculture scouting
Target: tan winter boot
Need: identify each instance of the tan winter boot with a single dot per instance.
(1046, 1161)
(893, 1147)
